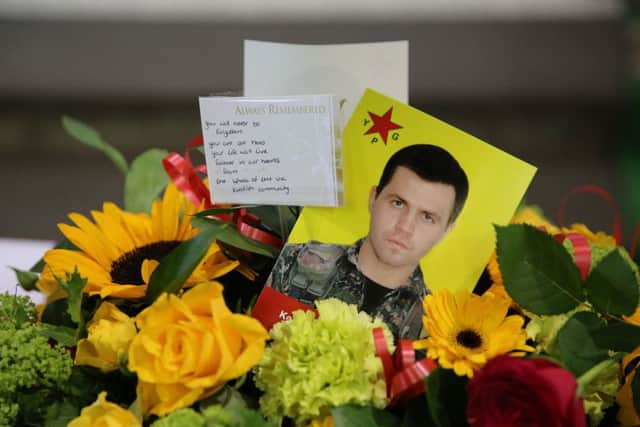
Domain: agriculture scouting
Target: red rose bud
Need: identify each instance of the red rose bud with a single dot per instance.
(510, 391)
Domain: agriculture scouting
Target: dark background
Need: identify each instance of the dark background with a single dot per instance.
(554, 92)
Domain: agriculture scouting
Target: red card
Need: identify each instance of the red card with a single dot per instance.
(273, 306)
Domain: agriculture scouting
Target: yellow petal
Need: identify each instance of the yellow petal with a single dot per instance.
(147, 268)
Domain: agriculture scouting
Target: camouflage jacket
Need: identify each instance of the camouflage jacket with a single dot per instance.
(316, 270)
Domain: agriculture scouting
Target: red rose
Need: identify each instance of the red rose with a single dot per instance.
(510, 391)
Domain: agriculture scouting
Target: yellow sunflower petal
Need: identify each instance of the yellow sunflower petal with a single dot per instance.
(147, 268)
(90, 243)
(113, 230)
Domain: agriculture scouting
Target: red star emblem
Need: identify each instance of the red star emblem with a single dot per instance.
(382, 124)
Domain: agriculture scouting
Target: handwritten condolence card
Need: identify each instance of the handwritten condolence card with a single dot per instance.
(271, 150)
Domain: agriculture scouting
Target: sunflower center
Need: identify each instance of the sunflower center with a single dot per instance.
(126, 269)
(469, 338)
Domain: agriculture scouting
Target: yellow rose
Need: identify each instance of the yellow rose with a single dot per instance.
(189, 347)
(110, 333)
(104, 414)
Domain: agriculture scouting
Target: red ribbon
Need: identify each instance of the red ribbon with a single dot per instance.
(185, 176)
(405, 377)
(581, 251)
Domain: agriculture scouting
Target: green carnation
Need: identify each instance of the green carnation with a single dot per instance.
(599, 393)
(315, 364)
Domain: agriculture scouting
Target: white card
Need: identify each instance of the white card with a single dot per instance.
(345, 70)
(271, 150)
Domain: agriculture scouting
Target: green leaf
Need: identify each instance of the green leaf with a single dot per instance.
(55, 313)
(89, 136)
(26, 279)
(635, 391)
(73, 286)
(227, 233)
(278, 218)
(60, 414)
(578, 349)
(145, 180)
(612, 287)
(447, 398)
(362, 416)
(62, 334)
(618, 336)
(177, 266)
(538, 272)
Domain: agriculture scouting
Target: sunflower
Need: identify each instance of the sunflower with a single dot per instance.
(119, 250)
(466, 330)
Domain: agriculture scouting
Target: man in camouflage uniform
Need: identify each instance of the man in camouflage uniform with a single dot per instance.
(415, 204)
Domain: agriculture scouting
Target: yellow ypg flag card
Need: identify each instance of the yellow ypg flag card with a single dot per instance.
(378, 128)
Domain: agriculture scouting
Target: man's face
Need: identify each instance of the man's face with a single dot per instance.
(408, 217)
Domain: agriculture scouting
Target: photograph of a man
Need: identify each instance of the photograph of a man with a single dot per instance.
(420, 194)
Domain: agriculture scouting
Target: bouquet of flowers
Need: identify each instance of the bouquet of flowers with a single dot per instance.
(147, 323)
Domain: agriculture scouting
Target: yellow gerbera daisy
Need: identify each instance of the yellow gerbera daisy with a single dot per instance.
(466, 330)
(119, 250)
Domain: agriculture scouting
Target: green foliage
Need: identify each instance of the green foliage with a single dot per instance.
(618, 336)
(279, 219)
(612, 287)
(447, 398)
(177, 266)
(91, 137)
(63, 335)
(577, 348)
(73, 286)
(227, 233)
(26, 279)
(60, 414)
(32, 373)
(144, 181)
(362, 416)
(537, 271)
(598, 387)
(17, 309)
